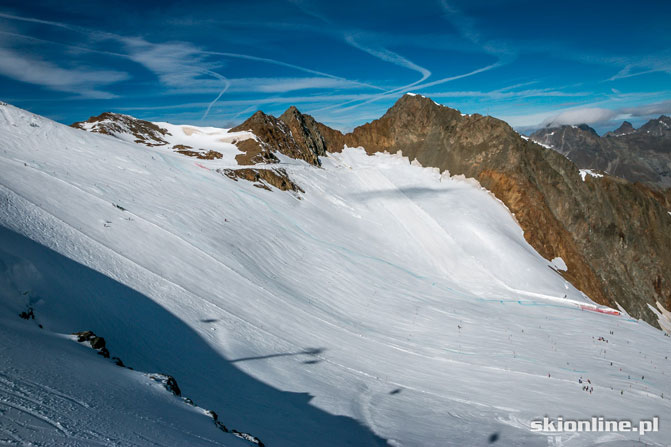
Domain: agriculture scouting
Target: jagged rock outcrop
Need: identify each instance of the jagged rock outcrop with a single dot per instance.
(625, 129)
(660, 127)
(168, 382)
(209, 155)
(261, 178)
(638, 155)
(96, 343)
(305, 131)
(292, 135)
(614, 236)
(122, 126)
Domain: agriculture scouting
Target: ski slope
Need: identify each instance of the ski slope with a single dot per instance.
(387, 305)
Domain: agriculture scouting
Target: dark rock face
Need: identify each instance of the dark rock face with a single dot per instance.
(168, 382)
(97, 343)
(263, 177)
(614, 236)
(638, 155)
(625, 129)
(661, 127)
(293, 135)
(27, 314)
(209, 155)
(305, 132)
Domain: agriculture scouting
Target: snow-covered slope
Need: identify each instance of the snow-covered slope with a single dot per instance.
(386, 304)
(203, 139)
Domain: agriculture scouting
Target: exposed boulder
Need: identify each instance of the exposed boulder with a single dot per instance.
(97, 343)
(209, 155)
(168, 382)
(255, 152)
(263, 177)
(217, 422)
(27, 314)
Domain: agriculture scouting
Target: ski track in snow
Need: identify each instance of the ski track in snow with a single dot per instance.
(384, 293)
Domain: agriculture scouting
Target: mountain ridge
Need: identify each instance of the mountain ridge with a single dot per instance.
(638, 155)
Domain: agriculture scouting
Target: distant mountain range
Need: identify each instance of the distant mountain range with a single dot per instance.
(638, 155)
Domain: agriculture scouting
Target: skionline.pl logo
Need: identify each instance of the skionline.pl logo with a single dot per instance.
(595, 424)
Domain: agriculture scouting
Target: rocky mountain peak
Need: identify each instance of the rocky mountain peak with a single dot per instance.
(291, 111)
(412, 118)
(411, 103)
(659, 127)
(625, 129)
(585, 128)
(292, 134)
(257, 119)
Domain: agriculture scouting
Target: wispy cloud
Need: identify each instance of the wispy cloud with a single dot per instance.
(388, 56)
(177, 64)
(35, 20)
(659, 63)
(468, 29)
(316, 99)
(588, 115)
(184, 67)
(368, 43)
(505, 93)
(82, 81)
(657, 108)
(288, 65)
(283, 85)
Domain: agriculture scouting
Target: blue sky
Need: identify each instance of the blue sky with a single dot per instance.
(215, 63)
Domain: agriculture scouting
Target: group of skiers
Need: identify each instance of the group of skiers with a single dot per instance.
(587, 385)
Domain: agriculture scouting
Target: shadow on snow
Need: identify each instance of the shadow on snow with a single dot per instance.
(71, 297)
